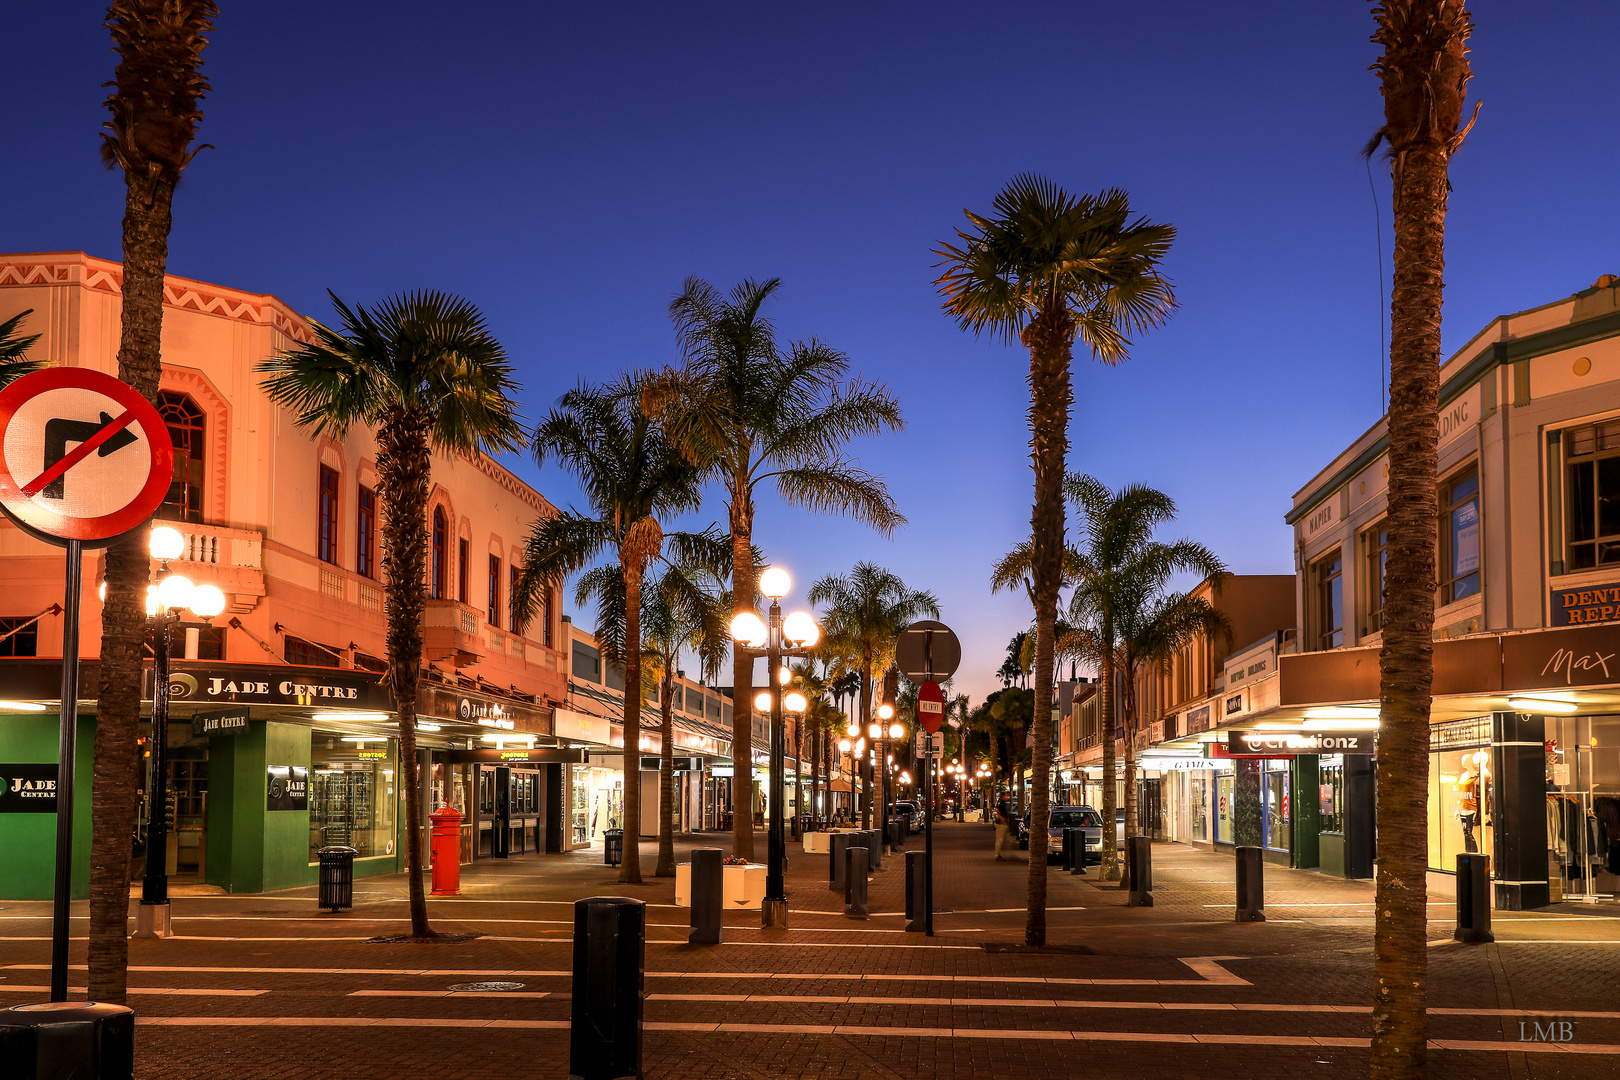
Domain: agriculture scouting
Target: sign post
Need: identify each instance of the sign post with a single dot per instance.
(84, 460)
(924, 651)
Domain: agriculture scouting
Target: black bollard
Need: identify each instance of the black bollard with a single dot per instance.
(1079, 866)
(874, 849)
(1140, 871)
(1251, 885)
(1474, 900)
(67, 1040)
(708, 896)
(916, 892)
(855, 882)
(837, 845)
(610, 935)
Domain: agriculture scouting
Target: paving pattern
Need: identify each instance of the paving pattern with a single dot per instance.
(266, 986)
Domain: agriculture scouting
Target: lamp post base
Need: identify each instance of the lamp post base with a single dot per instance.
(152, 921)
(774, 914)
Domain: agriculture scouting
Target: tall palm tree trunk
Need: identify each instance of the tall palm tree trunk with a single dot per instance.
(1109, 870)
(1424, 73)
(1049, 338)
(630, 868)
(148, 207)
(404, 470)
(742, 676)
(666, 775)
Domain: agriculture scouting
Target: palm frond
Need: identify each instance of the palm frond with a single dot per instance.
(14, 362)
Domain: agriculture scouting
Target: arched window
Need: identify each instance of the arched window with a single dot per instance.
(441, 536)
(186, 423)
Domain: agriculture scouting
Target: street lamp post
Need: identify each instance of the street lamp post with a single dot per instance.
(775, 640)
(171, 594)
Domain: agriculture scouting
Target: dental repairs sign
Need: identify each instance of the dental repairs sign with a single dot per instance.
(1277, 744)
(28, 789)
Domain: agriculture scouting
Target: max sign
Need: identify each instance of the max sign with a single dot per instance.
(1289, 743)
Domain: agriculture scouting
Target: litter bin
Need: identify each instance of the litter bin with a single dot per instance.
(337, 878)
(79, 1039)
(613, 847)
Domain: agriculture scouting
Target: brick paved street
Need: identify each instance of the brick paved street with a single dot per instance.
(265, 986)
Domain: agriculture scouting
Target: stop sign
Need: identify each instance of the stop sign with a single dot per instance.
(930, 706)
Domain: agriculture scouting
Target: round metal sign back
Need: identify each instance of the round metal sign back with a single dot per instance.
(82, 455)
(927, 650)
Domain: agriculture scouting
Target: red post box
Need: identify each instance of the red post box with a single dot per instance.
(446, 846)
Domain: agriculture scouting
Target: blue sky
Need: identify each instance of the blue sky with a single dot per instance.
(568, 167)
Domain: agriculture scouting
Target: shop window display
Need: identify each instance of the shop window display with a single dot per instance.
(1460, 800)
(1583, 805)
(1330, 793)
(352, 796)
(1223, 808)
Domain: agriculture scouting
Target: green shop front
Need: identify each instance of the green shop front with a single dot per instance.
(267, 764)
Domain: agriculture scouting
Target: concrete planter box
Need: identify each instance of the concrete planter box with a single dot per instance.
(744, 886)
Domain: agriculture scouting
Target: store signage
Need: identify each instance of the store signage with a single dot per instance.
(28, 789)
(287, 787)
(257, 684)
(722, 771)
(217, 724)
(1233, 704)
(1578, 656)
(682, 764)
(1187, 764)
(1253, 664)
(1198, 720)
(517, 755)
(1289, 743)
(1588, 604)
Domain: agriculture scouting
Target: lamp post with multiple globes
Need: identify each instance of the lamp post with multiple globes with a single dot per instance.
(165, 600)
(775, 639)
(883, 731)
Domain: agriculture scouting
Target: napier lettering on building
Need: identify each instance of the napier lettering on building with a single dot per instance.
(28, 789)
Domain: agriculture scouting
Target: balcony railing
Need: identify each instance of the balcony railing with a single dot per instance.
(214, 545)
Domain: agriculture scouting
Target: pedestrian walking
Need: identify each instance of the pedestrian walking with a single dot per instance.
(1004, 829)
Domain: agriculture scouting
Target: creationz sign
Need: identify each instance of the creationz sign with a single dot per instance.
(1289, 743)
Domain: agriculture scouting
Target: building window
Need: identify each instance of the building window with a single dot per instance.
(326, 543)
(511, 600)
(439, 573)
(1594, 497)
(19, 637)
(1328, 575)
(211, 643)
(1459, 537)
(365, 529)
(367, 662)
(308, 654)
(494, 590)
(546, 620)
(1375, 551)
(186, 423)
(462, 559)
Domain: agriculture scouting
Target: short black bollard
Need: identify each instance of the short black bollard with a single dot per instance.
(916, 892)
(708, 896)
(874, 849)
(1474, 900)
(1079, 866)
(67, 1040)
(1251, 885)
(837, 845)
(855, 882)
(610, 944)
(1141, 871)
(897, 834)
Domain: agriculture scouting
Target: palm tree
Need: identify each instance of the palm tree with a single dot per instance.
(424, 371)
(1423, 73)
(1153, 632)
(679, 613)
(632, 476)
(865, 611)
(749, 412)
(1047, 268)
(156, 90)
(14, 362)
(820, 720)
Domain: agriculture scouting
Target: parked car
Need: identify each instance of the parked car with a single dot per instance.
(909, 812)
(1067, 817)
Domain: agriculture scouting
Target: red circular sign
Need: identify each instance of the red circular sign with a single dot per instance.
(82, 455)
(930, 706)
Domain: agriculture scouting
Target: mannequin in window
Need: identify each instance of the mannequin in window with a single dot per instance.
(1470, 790)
